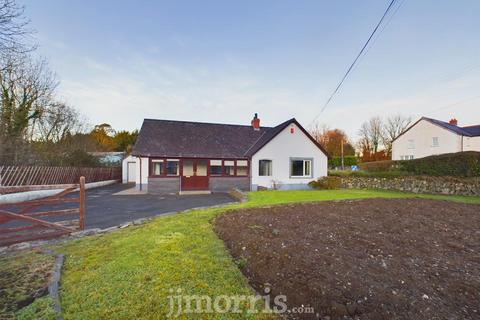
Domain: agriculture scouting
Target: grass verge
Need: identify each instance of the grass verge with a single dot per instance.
(24, 278)
(130, 273)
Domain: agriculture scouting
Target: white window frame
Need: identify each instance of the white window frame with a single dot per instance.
(230, 164)
(215, 163)
(178, 168)
(244, 165)
(411, 144)
(305, 160)
(154, 161)
(435, 142)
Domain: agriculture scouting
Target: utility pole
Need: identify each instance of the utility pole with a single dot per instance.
(343, 168)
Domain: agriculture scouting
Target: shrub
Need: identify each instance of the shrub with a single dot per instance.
(385, 165)
(368, 174)
(347, 161)
(326, 183)
(460, 164)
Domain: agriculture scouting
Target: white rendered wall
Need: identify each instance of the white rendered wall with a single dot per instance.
(280, 149)
(144, 171)
(471, 144)
(422, 135)
(125, 167)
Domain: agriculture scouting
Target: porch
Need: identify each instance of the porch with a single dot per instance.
(197, 175)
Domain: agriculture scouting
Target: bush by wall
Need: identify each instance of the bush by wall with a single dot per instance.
(326, 183)
(370, 174)
(461, 164)
(347, 161)
(376, 166)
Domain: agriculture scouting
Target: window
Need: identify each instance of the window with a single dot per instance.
(301, 168)
(187, 168)
(229, 167)
(157, 167)
(216, 167)
(411, 144)
(435, 142)
(411, 157)
(265, 167)
(402, 158)
(242, 168)
(172, 167)
(201, 168)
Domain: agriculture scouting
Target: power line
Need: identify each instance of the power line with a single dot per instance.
(354, 61)
(450, 105)
(379, 33)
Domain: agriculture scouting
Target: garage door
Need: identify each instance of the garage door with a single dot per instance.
(131, 172)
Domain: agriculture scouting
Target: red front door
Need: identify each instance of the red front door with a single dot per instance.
(194, 174)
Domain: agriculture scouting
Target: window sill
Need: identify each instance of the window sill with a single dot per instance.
(163, 176)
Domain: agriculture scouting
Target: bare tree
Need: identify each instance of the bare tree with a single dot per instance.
(13, 28)
(371, 135)
(26, 89)
(392, 128)
(56, 121)
(318, 132)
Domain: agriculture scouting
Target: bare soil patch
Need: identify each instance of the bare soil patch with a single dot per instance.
(24, 277)
(365, 259)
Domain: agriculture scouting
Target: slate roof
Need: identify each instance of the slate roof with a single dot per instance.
(471, 131)
(169, 138)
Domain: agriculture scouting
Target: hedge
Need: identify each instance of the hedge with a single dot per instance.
(347, 161)
(376, 166)
(460, 164)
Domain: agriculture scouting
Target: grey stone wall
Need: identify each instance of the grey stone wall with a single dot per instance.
(164, 185)
(418, 184)
(225, 184)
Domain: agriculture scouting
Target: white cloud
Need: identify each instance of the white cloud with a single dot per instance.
(125, 93)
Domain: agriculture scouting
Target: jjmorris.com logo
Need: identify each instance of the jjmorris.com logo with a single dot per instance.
(181, 304)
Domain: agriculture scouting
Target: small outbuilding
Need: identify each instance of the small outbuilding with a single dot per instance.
(181, 156)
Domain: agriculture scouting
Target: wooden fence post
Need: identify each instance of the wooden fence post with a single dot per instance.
(82, 203)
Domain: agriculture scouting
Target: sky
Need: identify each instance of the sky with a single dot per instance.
(221, 61)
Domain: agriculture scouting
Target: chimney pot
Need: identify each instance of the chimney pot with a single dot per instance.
(453, 121)
(256, 122)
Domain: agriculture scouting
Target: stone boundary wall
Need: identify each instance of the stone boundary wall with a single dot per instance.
(417, 184)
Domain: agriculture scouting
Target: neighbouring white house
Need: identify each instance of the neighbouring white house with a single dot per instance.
(428, 137)
(180, 156)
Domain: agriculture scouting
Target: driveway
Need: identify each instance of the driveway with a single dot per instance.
(104, 209)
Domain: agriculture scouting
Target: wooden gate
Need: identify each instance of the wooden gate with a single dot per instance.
(25, 221)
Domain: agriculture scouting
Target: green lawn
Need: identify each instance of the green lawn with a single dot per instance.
(129, 273)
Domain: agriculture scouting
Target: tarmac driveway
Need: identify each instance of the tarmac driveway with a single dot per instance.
(104, 209)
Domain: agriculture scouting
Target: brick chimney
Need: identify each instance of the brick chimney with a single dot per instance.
(453, 121)
(256, 122)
